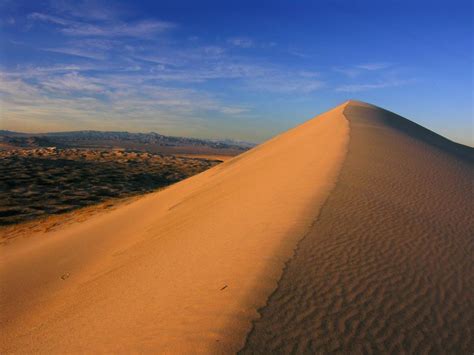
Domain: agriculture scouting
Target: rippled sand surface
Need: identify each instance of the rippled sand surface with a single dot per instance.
(388, 265)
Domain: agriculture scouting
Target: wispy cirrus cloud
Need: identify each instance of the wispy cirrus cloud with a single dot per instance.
(72, 82)
(371, 86)
(91, 48)
(300, 53)
(139, 29)
(73, 27)
(96, 9)
(77, 52)
(50, 18)
(359, 69)
(203, 64)
(241, 42)
(73, 100)
(275, 80)
(374, 66)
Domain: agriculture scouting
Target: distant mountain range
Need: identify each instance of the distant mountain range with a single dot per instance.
(152, 141)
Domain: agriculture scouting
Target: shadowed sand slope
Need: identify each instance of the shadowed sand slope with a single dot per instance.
(388, 264)
(183, 270)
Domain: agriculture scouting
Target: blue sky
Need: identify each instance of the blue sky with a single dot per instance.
(242, 69)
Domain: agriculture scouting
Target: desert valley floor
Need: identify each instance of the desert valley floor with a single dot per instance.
(351, 233)
(46, 181)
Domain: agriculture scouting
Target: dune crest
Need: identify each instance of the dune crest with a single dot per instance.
(183, 270)
(387, 266)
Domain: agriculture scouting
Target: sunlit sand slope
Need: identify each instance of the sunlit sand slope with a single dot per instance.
(388, 264)
(179, 271)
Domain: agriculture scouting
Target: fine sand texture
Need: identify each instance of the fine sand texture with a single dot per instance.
(388, 265)
(182, 270)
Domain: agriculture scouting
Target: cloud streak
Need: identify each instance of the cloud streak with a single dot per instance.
(359, 69)
(105, 28)
(241, 42)
(372, 86)
(374, 66)
(74, 100)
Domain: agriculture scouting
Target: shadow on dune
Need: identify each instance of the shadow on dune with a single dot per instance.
(387, 265)
(383, 119)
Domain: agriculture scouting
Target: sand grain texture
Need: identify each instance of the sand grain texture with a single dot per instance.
(183, 270)
(388, 264)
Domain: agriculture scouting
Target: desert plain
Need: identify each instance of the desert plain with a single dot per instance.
(45, 181)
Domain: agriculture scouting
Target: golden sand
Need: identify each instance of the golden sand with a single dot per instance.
(182, 270)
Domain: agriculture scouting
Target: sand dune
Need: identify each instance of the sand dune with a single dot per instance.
(388, 265)
(182, 270)
(378, 209)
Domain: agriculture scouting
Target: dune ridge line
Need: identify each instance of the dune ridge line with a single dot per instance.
(387, 266)
(181, 270)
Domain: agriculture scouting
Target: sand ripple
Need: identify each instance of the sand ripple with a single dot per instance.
(387, 267)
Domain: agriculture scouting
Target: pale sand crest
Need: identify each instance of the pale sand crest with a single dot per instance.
(388, 265)
(183, 270)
